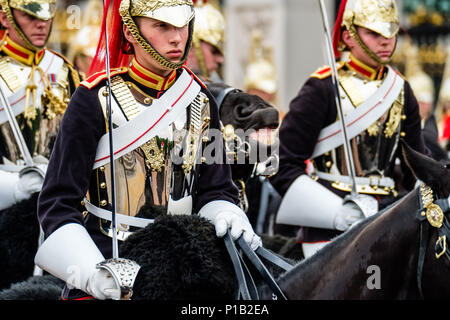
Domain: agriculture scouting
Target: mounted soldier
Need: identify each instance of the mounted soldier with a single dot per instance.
(165, 119)
(36, 84)
(378, 106)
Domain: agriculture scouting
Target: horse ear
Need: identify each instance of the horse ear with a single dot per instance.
(431, 172)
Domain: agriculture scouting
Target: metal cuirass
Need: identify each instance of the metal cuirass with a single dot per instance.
(157, 177)
(373, 149)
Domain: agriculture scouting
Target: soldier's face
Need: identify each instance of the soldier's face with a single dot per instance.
(213, 57)
(36, 30)
(381, 46)
(165, 38)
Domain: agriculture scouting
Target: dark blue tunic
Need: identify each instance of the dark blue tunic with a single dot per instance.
(70, 176)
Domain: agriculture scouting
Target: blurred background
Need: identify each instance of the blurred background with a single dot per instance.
(282, 42)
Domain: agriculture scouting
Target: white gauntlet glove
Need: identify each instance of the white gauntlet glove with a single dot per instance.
(29, 183)
(226, 215)
(71, 255)
(101, 285)
(20, 183)
(31, 179)
(347, 215)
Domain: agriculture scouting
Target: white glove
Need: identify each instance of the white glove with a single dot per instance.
(101, 285)
(29, 183)
(226, 215)
(347, 215)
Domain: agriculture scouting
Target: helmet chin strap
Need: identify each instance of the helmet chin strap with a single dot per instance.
(135, 32)
(200, 57)
(22, 35)
(365, 48)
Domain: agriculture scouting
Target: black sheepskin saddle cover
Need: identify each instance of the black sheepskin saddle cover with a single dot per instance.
(181, 258)
(19, 233)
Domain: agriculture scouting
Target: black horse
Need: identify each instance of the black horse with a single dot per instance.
(385, 246)
(376, 259)
(249, 152)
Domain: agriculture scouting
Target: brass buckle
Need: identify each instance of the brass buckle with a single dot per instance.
(435, 216)
(443, 241)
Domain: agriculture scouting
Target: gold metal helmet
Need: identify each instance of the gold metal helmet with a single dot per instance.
(380, 16)
(175, 12)
(40, 9)
(209, 26)
(260, 73)
(82, 44)
(421, 83)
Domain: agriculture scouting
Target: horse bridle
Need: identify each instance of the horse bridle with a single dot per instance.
(247, 289)
(432, 211)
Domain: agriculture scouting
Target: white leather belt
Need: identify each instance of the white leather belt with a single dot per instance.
(370, 181)
(362, 117)
(120, 218)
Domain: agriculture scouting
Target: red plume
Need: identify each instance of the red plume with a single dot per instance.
(118, 46)
(337, 29)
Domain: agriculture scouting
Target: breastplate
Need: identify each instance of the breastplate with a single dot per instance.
(47, 101)
(373, 149)
(158, 173)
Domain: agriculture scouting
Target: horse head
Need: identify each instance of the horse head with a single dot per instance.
(435, 174)
(250, 123)
(434, 263)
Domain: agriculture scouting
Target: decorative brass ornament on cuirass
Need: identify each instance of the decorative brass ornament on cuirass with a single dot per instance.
(151, 176)
(374, 147)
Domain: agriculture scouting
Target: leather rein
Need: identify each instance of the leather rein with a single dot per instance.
(247, 289)
(432, 211)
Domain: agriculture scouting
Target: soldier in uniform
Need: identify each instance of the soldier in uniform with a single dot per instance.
(37, 83)
(159, 164)
(206, 55)
(313, 176)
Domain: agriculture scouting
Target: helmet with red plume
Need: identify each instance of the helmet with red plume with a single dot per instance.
(178, 13)
(380, 16)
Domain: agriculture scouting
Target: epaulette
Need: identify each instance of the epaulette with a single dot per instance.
(73, 72)
(195, 77)
(400, 74)
(98, 77)
(325, 72)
